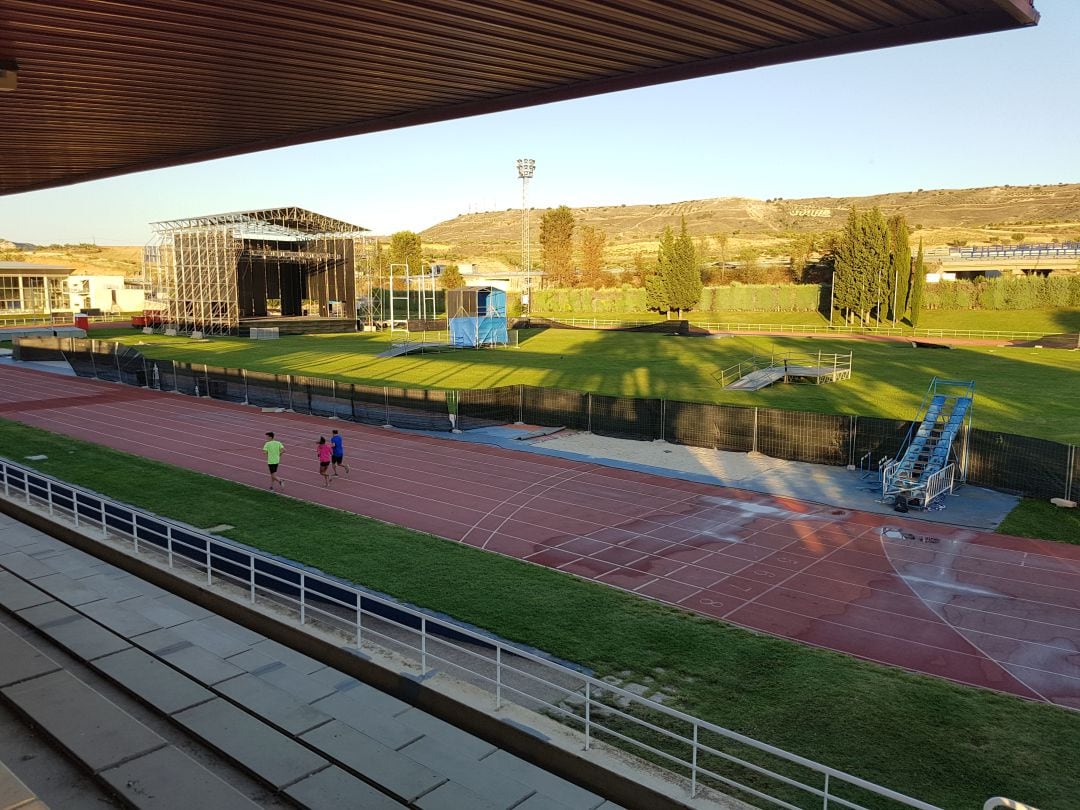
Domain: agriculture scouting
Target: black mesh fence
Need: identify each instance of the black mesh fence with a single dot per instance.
(819, 438)
(483, 407)
(368, 405)
(554, 407)
(877, 438)
(720, 427)
(40, 349)
(1029, 466)
(626, 418)
(227, 384)
(267, 390)
(1018, 463)
(418, 408)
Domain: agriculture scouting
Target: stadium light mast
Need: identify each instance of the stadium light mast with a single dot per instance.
(525, 169)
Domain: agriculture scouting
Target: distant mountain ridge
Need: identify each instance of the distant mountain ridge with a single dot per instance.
(1002, 206)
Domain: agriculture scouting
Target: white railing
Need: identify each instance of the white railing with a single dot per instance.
(62, 319)
(939, 483)
(688, 747)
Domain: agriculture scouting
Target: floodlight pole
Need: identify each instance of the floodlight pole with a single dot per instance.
(525, 169)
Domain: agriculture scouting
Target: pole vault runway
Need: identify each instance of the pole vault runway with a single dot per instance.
(975, 607)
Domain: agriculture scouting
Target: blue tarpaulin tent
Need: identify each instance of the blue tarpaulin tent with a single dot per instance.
(477, 316)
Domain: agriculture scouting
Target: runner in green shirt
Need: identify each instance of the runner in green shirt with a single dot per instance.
(273, 449)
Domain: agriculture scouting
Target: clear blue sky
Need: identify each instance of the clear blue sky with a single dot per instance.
(989, 110)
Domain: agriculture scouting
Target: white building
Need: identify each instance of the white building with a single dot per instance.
(27, 288)
(105, 293)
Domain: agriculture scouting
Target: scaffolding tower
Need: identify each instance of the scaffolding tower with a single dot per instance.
(197, 267)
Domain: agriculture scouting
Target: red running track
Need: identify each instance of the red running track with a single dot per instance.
(975, 607)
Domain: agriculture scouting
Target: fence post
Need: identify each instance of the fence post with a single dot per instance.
(116, 357)
(663, 419)
(93, 364)
(359, 621)
(251, 577)
(498, 678)
(521, 405)
(175, 379)
(303, 604)
(423, 645)
(209, 565)
(386, 404)
(74, 502)
(146, 374)
(104, 518)
(48, 493)
(243, 373)
(754, 441)
(168, 543)
(333, 396)
(206, 377)
(588, 429)
(288, 383)
(853, 431)
(693, 764)
(588, 714)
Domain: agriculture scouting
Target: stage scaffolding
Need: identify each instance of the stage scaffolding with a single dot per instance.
(195, 266)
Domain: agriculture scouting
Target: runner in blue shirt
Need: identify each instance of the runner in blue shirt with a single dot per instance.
(338, 455)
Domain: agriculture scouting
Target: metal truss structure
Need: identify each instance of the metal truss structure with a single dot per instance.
(369, 285)
(192, 263)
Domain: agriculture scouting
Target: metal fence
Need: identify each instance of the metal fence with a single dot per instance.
(698, 754)
(1005, 461)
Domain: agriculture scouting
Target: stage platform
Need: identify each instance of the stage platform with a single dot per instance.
(298, 325)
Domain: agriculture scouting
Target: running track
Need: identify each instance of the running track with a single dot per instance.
(975, 607)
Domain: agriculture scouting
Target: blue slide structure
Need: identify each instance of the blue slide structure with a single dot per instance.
(933, 458)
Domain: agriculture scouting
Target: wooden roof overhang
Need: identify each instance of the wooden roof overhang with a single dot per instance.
(106, 87)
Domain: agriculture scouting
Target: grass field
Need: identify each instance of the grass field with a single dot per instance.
(1041, 519)
(947, 744)
(1032, 392)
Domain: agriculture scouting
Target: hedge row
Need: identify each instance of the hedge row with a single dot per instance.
(1005, 293)
(741, 298)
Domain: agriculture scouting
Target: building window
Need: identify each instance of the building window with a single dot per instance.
(9, 293)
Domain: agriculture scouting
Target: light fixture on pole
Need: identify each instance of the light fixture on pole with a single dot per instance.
(525, 169)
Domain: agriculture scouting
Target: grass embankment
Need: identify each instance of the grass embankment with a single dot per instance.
(947, 744)
(1023, 391)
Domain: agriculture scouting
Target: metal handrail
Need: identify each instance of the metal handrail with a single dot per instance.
(320, 596)
(1001, 801)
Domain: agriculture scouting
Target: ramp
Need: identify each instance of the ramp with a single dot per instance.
(757, 372)
(933, 458)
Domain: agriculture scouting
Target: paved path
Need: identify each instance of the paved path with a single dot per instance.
(972, 606)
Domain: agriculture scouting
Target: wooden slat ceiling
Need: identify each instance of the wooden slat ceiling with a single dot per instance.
(113, 86)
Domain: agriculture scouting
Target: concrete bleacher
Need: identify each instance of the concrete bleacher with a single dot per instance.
(299, 728)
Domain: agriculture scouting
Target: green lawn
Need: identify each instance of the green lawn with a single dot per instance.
(1035, 518)
(947, 744)
(1032, 392)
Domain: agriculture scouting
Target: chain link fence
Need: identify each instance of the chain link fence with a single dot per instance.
(1005, 461)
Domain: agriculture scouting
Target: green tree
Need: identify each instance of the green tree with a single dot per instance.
(452, 278)
(846, 278)
(875, 258)
(592, 257)
(899, 266)
(684, 285)
(657, 294)
(406, 248)
(918, 287)
(557, 246)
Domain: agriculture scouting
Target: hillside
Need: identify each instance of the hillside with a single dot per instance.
(941, 215)
(83, 259)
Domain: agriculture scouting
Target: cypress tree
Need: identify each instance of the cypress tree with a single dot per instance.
(658, 282)
(899, 266)
(875, 264)
(844, 296)
(684, 284)
(918, 286)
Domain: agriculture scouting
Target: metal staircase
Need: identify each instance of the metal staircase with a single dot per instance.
(933, 458)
